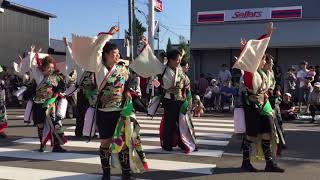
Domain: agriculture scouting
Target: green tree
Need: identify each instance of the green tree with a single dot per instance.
(139, 28)
(186, 48)
(169, 45)
(138, 32)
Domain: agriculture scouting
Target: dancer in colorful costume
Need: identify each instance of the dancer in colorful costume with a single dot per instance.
(176, 127)
(118, 129)
(258, 111)
(3, 114)
(49, 86)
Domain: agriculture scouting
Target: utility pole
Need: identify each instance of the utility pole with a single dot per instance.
(151, 24)
(118, 26)
(131, 16)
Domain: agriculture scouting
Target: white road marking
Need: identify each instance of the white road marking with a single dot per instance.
(156, 132)
(194, 123)
(35, 174)
(146, 148)
(165, 165)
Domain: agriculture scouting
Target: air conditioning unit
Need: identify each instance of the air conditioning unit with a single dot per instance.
(1, 10)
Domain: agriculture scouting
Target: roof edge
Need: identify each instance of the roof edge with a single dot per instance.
(29, 9)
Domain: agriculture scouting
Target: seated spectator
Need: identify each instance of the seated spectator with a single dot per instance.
(314, 101)
(212, 94)
(291, 83)
(287, 108)
(317, 76)
(227, 92)
(198, 109)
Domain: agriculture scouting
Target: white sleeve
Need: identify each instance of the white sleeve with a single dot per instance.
(87, 51)
(35, 72)
(96, 56)
(70, 63)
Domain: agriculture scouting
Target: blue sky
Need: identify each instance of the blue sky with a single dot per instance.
(82, 17)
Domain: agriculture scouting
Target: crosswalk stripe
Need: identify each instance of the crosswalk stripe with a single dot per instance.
(196, 128)
(156, 132)
(35, 174)
(199, 168)
(194, 123)
(147, 148)
(211, 119)
(202, 134)
(219, 129)
(200, 141)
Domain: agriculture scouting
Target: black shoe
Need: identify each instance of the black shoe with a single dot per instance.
(79, 135)
(247, 166)
(3, 135)
(58, 149)
(167, 148)
(284, 146)
(42, 148)
(312, 121)
(273, 167)
(127, 176)
(106, 177)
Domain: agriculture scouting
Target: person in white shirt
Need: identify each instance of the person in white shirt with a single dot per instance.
(303, 88)
(224, 74)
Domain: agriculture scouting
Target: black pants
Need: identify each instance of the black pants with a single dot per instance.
(39, 113)
(255, 122)
(107, 122)
(171, 121)
(82, 106)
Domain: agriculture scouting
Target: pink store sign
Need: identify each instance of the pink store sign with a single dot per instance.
(253, 14)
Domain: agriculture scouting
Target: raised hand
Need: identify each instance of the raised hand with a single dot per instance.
(144, 40)
(65, 40)
(269, 29)
(114, 29)
(39, 50)
(243, 43)
(20, 58)
(32, 48)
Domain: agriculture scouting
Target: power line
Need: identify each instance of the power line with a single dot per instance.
(162, 25)
(141, 2)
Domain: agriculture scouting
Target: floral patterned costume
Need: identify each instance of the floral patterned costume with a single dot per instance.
(3, 115)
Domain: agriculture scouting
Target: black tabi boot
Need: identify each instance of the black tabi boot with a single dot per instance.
(271, 166)
(246, 164)
(40, 133)
(56, 145)
(3, 135)
(105, 163)
(125, 165)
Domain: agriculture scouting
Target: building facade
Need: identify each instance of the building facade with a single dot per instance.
(218, 26)
(20, 27)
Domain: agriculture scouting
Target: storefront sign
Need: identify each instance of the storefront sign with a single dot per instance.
(158, 6)
(247, 14)
(250, 14)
